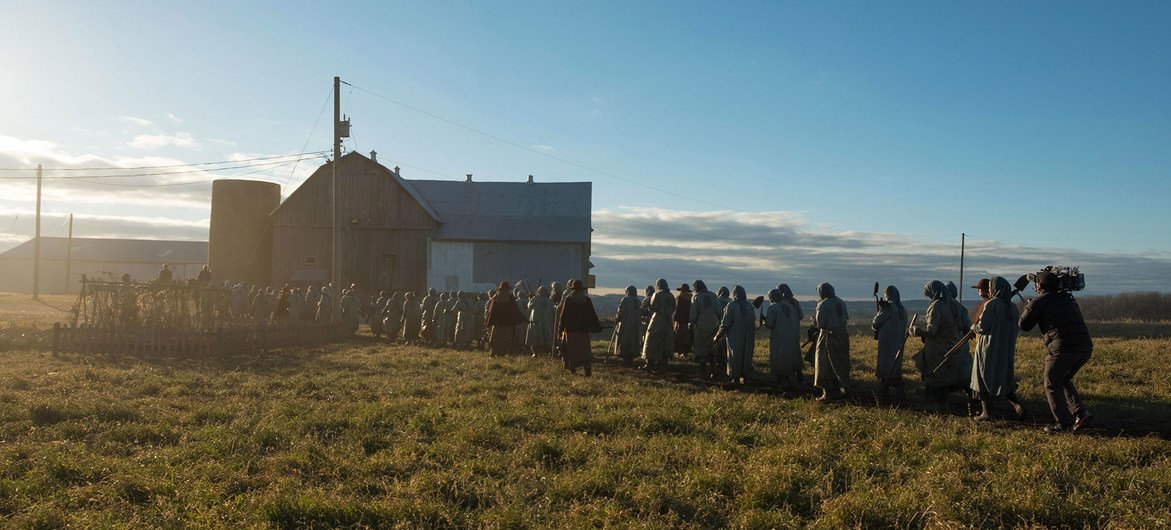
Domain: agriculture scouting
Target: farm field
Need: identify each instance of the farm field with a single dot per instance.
(368, 434)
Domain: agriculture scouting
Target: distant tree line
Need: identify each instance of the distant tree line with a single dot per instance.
(1137, 306)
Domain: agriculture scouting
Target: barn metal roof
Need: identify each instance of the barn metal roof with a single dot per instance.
(509, 211)
(120, 250)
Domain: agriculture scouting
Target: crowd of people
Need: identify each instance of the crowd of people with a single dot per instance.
(718, 330)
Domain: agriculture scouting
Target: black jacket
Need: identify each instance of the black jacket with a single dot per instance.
(1060, 319)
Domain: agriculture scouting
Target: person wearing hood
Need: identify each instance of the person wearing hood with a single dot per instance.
(439, 319)
(296, 306)
(392, 316)
(660, 336)
(522, 329)
(412, 318)
(325, 305)
(502, 317)
(479, 306)
(783, 320)
(1056, 312)
(375, 318)
(738, 330)
(541, 314)
(831, 360)
(704, 316)
(890, 328)
(996, 330)
(578, 319)
(964, 355)
(939, 331)
(720, 355)
(627, 340)
(427, 309)
(682, 320)
(645, 308)
(350, 311)
(463, 311)
(452, 315)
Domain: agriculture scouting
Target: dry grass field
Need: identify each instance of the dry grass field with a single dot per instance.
(367, 434)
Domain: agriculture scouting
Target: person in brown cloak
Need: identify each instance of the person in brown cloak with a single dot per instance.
(682, 320)
(578, 319)
(502, 317)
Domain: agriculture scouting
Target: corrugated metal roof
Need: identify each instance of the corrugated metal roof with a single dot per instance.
(123, 250)
(509, 211)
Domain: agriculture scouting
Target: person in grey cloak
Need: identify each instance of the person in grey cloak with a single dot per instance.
(479, 305)
(831, 360)
(296, 305)
(720, 354)
(522, 329)
(627, 340)
(451, 316)
(392, 316)
(541, 313)
(890, 328)
(996, 334)
(350, 311)
(325, 305)
(376, 327)
(645, 308)
(783, 321)
(963, 364)
(705, 316)
(659, 343)
(427, 308)
(939, 330)
(439, 317)
(464, 314)
(412, 318)
(738, 330)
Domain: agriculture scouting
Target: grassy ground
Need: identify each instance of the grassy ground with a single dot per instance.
(371, 435)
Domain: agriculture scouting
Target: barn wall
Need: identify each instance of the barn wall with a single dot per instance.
(539, 262)
(384, 230)
(451, 267)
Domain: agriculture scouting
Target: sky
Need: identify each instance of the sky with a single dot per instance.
(746, 142)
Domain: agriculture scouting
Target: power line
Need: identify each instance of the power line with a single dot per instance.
(311, 131)
(542, 153)
(275, 163)
(272, 157)
(164, 184)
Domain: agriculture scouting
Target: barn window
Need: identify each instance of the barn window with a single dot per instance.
(310, 261)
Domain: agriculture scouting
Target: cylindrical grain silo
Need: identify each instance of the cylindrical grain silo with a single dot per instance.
(239, 241)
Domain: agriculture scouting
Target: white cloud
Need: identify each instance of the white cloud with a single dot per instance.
(174, 118)
(142, 122)
(543, 147)
(155, 141)
(761, 249)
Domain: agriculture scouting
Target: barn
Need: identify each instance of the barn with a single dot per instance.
(97, 258)
(405, 234)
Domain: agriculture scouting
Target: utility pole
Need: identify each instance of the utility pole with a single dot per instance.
(963, 240)
(335, 274)
(68, 253)
(37, 242)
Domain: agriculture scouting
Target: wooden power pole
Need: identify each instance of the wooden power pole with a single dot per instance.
(37, 242)
(335, 267)
(963, 240)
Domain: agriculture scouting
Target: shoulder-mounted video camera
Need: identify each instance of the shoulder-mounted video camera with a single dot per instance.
(1068, 278)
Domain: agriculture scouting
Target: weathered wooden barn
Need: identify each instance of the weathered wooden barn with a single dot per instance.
(413, 234)
(98, 259)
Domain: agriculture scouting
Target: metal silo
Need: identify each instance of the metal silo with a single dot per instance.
(239, 240)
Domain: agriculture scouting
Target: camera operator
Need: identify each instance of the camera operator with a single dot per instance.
(1057, 314)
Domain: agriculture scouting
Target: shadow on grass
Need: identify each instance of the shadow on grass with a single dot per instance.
(1114, 416)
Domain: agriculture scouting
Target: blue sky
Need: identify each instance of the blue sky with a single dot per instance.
(879, 130)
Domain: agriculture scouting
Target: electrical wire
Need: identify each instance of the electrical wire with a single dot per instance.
(320, 113)
(53, 175)
(272, 157)
(166, 184)
(538, 152)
